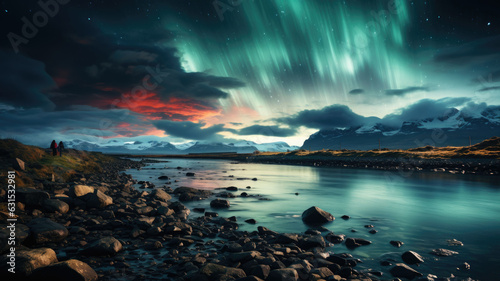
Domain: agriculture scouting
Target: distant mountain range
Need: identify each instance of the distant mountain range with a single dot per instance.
(163, 147)
(453, 129)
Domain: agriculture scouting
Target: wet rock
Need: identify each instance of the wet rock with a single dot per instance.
(404, 271)
(43, 230)
(323, 272)
(107, 246)
(411, 257)
(179, 228)
(251, 221)
(232, 188)
(189, 174)
(191, 194)
(73, 270)
(80, 190)
(316, 216)
(211, 271)
(199, 210)
(454, 242)
(335, 239)
(163, 178)
(26, 261)
(396, 243)
(55, 205)
(31, 197)
(345, 217)
(287, 238)
(161, 195)
(243, 256)
(211, 214)
(373, 231)
(443, 252)
(312, 242)
(356, 242)
(219, 203)
(464, 266)
(283, 274)
(261, 271)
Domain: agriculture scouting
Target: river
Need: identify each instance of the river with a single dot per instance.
(423, 210)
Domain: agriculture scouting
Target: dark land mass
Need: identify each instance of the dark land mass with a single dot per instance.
(79, 217)
(482, 158)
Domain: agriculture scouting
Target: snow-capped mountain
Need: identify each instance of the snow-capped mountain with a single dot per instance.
(163, 147)
(451, 129)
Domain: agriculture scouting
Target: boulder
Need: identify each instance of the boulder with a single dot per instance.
(219, 203)
(44, 230)
(163, 177)
(80, 190)
(243, 256)
(29, 260)
(411, 257)
(218, 272)
(316, 216)
(404, 271)
(20, 164)
(443, 252)
(55, 205)
(31, 197)
(22, 232)
(161, 195)
(107, 246)
(261, 271)
(189, 174)
(356, 242)
(335, 238)
(283, 274)
(97, 199)
(73, 270)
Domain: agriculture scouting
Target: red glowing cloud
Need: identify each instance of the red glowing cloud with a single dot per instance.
(175, 109)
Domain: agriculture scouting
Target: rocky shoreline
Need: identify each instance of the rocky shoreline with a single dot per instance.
(100, 227)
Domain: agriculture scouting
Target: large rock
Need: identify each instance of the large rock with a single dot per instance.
(161, 194)
(20, 164)
(22, 232)
(31, 197)
(211, 271)
(284, 274)
(26, 261)
(97, 199)
(191, 194)
(73, 270)
(316, 216)
(243, 256)
(55, 205)
(404, 271)
(43, 230)
(261, 271)
(219, 203)
(443, 252)
(80, 190)
(411, 257)
(107, 246)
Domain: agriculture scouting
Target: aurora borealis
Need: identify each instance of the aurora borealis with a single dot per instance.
(232, 70)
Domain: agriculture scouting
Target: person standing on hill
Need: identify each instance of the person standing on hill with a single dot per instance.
(53, 146)
(60, 148)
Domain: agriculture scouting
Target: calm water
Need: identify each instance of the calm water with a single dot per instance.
(423, 210)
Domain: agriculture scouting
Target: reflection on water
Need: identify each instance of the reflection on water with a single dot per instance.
(423, 210)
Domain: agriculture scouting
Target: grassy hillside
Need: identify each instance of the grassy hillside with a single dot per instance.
(489, 148)
(40, 164)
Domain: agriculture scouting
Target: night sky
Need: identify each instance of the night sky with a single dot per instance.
(260, 70)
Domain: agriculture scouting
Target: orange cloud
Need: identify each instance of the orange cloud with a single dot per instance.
(175, 109)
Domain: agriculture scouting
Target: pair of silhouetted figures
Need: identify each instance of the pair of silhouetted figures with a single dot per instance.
(55, 148)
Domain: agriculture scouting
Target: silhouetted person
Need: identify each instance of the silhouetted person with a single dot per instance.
(53, 146)
(60, 148)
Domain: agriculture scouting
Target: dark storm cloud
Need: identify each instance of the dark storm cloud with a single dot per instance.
(80, 121)
(269, 131)
(486, 89)
(356, 91)
(96, 61)
(188, 130)
(333, 116)
(24, 82)
(408, 90)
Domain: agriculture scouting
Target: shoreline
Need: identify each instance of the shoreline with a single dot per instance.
(470, 166)
(119, 232)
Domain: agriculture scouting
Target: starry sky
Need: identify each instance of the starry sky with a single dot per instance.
(226, 70)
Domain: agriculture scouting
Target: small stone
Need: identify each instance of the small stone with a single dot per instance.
(396, 243)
